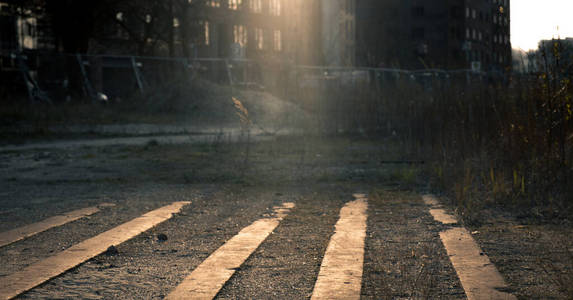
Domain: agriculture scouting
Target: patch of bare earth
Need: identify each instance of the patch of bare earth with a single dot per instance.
(404, 256)
(287, 263)
(536, 260)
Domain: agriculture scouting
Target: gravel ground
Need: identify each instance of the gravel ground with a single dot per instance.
(129, 205)
(287, 263)
(536, 260)
(404, 257)
(232, 185)
(147, 268)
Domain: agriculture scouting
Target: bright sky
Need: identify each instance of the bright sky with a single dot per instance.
(534, 20)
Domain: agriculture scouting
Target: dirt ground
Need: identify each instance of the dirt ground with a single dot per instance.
(233, 184)
(536, 259)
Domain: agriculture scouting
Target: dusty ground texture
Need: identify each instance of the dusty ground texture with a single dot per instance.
(404, 255)
(230, 186)
(289, 260)
(536, 260)
(180, 108)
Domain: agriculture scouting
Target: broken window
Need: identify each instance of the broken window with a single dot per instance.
(240, 35)
(277, 45)
(256, 6)
(120, 31)
(418, 33)
(206, 34)
(214, 3)
(235, 4)
(8, 32)
(418, 11)
(274, 7)
(259, 39)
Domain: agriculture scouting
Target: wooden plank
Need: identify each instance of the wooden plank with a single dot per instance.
(44, 270)
(14, 235)
(340, 275)
(479, 277)
(210, 276)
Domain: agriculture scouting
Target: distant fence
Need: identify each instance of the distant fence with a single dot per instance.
(60, 77)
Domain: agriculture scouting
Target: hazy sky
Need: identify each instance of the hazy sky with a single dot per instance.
(533, 20)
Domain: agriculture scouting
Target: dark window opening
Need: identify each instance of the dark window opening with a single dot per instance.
(456, 12)
(418, 33)
(418, 11)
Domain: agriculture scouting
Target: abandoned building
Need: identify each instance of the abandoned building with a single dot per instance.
(311, 32)
(406, 34)
(421, 34)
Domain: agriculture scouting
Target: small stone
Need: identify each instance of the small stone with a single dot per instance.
(162, 237)
(112, 250)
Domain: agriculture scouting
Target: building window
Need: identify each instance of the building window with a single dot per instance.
(275, 7)
(259, 39)
(467, 33)
(235, 4)
(240, 35)
(473, 13)
(277, 44)
(206, 34)
(256, 6)
(214, 3)
(176, 30)
(467, 12)
(418, 11)
(418, 33)
(349, 6)
(121, 33)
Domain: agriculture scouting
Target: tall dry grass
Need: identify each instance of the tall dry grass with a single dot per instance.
(489, 140)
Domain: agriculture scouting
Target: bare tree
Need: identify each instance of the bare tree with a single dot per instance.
(145, 24)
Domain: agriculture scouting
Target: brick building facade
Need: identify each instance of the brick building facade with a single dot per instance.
(448, 34)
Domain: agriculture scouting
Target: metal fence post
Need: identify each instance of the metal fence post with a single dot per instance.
(87, 86)
(137, 74)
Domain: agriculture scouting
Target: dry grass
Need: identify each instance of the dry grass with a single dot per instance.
(488, 140)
